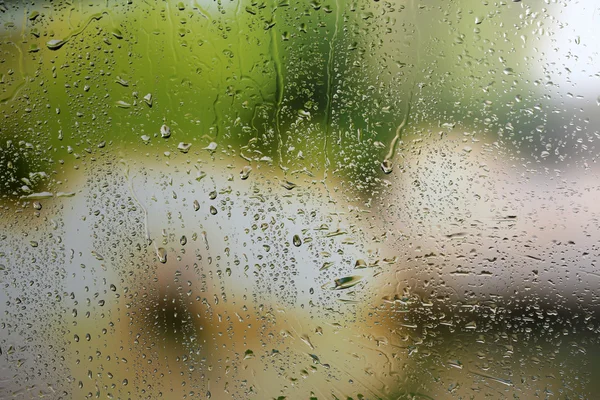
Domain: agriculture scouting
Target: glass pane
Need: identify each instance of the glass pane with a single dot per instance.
(299, 200)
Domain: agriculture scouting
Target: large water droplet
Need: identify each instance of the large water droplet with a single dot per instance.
(148, 99)
(245, 172)
(387, 166)
(165, 131)
(55, 44)
(297, 241)
(184, 147)
(346, 282)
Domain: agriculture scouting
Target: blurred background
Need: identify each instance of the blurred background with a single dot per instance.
(299, 200)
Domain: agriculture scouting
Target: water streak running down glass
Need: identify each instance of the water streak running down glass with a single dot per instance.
(299, 199)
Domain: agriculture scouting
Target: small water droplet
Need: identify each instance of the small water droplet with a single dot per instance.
(196, 205)
(213, 210)
(183, 240)
(37, 205)
(161, 253)
(297, 241)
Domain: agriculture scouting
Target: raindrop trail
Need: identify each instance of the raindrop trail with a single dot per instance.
(394, 143)
(172, 41)
(330, 71)
(493, 378)
(148, 53)
(278, 86)
(201, 11)
(132, 190)
(93, 17)
(216, 120)
(19, 85)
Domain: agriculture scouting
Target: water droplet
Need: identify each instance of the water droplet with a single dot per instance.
(184, 147)
(297, 241)
(148, 99)
(123, 104)
(116, 32)
(213, 210)
(196, 205)
(387, 166)
(212, 195)
(165, 131)
(200, 175)
(41, 195)
(161, 253)
(183, 240)
(55, 44)
(346, 282)
(360, 264)
(248, 354)
(121, 81)
(245, 172)
(37, 205)
(288, 185)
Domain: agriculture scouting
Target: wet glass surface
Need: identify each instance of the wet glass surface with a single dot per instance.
(299, 200)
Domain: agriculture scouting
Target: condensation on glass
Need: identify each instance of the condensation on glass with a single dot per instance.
(299, 199)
